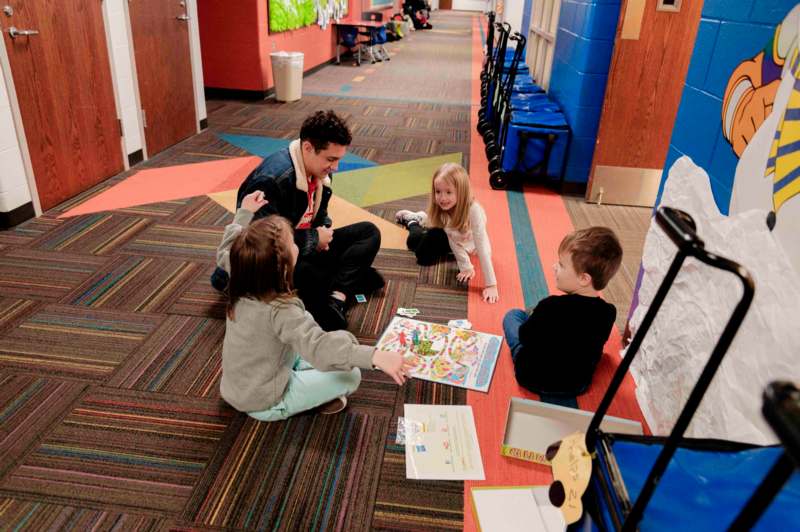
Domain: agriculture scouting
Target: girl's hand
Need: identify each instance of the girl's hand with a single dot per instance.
(254, 201)
(490, 294)
(463, 277)
(393, 364)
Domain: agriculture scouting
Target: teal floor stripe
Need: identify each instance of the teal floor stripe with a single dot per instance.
(534, 285)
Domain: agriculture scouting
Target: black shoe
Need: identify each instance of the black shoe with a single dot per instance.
(372, 280)
(334, 315)
(219, 279)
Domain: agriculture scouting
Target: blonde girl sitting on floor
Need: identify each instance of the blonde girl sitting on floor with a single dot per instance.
(276, 360)
(454, 222)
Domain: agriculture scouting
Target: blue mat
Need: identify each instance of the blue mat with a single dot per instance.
(263, 146)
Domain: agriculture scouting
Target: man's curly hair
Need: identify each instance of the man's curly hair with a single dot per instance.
(323, 128)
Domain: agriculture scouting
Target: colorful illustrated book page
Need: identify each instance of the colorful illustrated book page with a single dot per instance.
(449, 355)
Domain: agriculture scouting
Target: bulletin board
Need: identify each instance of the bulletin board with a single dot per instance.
(291, 14)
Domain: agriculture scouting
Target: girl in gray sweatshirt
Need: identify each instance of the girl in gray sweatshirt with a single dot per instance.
(276, 360)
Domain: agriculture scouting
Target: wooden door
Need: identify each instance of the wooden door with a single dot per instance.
(62, 76)
(163, 65)
(645, 83)
(445, 4)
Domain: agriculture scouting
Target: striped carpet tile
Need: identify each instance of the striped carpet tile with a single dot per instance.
(136, 283)
(415, 505)
(162, 209)
(183, 356)
(422, 392)
(310, 472)
(376, 395)
(96, 234)
(441, 304)
(45, 275)
(14, 237)
(443, 274)
(397, 264)
(404, 504)
(86, 195)
(36, 226)
(202, 211)
(126, 450)
(18, 514)
(368, 320)
(201, 299)
(367, 118)
(28, 406)
(78, 343)
(13, 310)
(178, 241)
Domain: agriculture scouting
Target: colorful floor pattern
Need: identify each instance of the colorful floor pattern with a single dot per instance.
(110, 335)
(361, 184)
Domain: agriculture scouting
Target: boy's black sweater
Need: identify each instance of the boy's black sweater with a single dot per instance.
(562, 342)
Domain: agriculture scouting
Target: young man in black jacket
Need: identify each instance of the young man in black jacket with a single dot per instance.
(557, 346)
(333, 265)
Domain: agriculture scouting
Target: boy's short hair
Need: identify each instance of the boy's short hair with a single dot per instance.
(323, 128)
(594, 250)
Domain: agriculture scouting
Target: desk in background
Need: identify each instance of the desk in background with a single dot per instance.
(353, 23)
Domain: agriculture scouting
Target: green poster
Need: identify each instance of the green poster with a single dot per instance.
(291, 14)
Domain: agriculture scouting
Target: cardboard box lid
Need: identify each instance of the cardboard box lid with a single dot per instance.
(534, 426)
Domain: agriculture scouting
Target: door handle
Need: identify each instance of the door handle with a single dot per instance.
(184, 17)
(14, 32)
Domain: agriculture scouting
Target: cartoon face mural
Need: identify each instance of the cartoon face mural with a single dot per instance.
(761, 120)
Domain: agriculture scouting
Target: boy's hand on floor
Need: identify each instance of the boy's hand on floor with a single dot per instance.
(490, 294)
(393, 364)
(254, 201)
(463, 277)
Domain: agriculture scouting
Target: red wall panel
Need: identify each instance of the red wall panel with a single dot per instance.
(236, 43)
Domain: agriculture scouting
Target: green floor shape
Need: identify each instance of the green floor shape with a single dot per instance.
(389, 182)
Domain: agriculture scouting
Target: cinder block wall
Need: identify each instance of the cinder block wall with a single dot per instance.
(584, 44)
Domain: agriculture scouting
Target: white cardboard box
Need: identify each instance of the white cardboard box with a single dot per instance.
(532, 426)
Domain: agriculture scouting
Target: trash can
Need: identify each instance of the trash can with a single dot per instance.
(287, 73)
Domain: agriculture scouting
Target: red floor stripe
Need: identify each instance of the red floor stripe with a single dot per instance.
(551, 222)
(490, 409)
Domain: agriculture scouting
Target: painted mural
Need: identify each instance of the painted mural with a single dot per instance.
(761, 120)
(734, 166)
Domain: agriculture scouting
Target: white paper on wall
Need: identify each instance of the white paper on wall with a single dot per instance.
(688, 325)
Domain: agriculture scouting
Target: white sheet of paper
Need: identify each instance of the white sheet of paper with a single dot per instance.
(516, 509)
(552, 516)
(442, 443)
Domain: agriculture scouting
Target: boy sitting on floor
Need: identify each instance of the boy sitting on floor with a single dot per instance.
(557, 345)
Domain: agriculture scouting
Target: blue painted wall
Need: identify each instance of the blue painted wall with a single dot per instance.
(730, 32)
(584, 45)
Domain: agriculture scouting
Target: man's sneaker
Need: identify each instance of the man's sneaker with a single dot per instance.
(405, 217)
(333, 406)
